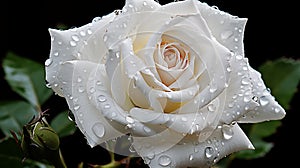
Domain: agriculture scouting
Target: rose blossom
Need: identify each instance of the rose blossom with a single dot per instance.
(173, 77)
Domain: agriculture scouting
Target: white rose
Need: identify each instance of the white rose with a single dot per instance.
(173, 77)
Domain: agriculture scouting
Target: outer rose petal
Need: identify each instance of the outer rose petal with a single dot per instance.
(88, 118)
(227, 29)
(268, 108)
(189, 152)
(75, 44)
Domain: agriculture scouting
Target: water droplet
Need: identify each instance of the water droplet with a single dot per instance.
(145, 3)
(164, 160)
(56, 53)
(71, 116)
(211, 107)
(73, 43)
(239, 57)
(81, 89)
(99, 83)
(191, 157)
(147, 130)
(89, 31)
(236, 39)
(82, 33)
(105, 38)
(96, 19)
(213, 88)
(118, 54)
(226, 34)
(129, 120)
(75, 38)
(92, 90)
(255, 98)
(266, 91)
(277, 110)
(151, 155)
(79, 79)
(106, 106)
(208, 151)
(48, 85)
(263, 101)
(98, 130)
(245, 81)
(227, 132)
(76, 107)
(101, 98)
(48, 62)
(228, 69)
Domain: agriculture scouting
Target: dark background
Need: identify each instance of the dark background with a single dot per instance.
(271, 32)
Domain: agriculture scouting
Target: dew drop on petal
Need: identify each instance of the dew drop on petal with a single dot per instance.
(227, 132)
(213, 88)
(164, 160)
(75, 38)
(80, 89)
(104, 38)
(101, 98)
(48, 85)
(147, 130)
(263, 101)
(73, 43)
(129, 120)
(245, 81)
(239, 57)
(82, 33)
(76, 107)
(277, 110)
(48, 62)
(106, 106)
(56, 54)
(211, 107)
(191, 157)
(98, 130)
(89, 31)
(266, 91)
(151, 155)
(208, 151)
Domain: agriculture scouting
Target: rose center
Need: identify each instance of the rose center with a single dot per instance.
(174, 55)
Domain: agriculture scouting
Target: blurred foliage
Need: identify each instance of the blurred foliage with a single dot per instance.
(26, 78)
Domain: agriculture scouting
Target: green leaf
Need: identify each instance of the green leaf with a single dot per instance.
(11, 156)
(62, 125)
(15, 114)
(27, 78)
(282, 77)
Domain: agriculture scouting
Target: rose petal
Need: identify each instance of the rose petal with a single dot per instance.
(180, 7)
(227, 29)
(67, 45)
(88, 118)
(268, 108)
(248, 99)
(121, 67)
(240, 96)
(189, 152)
